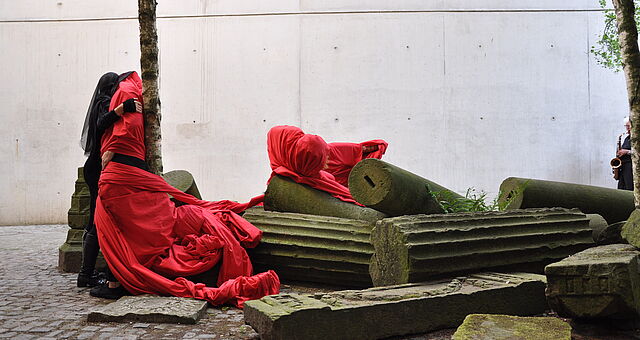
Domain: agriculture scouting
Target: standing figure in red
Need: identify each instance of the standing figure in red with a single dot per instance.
(150, 244)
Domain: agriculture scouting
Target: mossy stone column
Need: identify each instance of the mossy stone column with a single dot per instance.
(394, 191)
(285, 195)
(612, 204)
(420, 247)
(311, 248)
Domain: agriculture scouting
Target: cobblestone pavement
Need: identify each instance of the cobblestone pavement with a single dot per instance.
(37, 301)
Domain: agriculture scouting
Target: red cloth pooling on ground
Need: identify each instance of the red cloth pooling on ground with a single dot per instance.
(126, 135)
(301, 157)
(344, 156)
(148, 242)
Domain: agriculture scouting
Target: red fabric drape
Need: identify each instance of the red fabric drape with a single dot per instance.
(150, 244)
(147, 241)
(344, 156)
(302, 157)
(126, 135)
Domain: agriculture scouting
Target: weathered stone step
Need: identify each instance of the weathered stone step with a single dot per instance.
(404, 252)
(320, 249)
(600, 282)
(285, 195)
(150, 308)
(393, 190)
(383, 312)
(503, 327)
(612, 204)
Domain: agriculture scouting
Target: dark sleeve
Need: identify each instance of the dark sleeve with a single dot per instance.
(105, 120)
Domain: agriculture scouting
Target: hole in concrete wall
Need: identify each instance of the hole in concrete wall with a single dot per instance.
(370, 181)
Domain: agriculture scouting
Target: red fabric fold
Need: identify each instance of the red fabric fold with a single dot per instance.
(344, 156)
(302, 157)
(148, 242)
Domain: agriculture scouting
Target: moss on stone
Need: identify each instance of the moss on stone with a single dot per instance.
(506, 327)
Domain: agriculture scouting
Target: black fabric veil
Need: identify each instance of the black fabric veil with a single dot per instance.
(100, 101)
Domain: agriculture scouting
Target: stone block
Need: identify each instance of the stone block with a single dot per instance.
(420, 247)
(183, 181)
(611, 234)
(150, 308)
(285, 195)
(322, 249)
(382, 312)
(612, 204)
(600, 282)
(395, 191)
(508, 327)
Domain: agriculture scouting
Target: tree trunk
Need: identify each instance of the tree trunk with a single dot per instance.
(628, 38)
(149, 64)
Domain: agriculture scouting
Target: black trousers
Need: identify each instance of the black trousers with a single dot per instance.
(625, 179)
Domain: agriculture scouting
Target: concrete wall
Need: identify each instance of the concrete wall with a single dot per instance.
(466, 93)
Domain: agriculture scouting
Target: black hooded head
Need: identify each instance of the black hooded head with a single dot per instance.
(107, 85)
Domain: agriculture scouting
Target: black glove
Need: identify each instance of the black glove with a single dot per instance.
(129, 105)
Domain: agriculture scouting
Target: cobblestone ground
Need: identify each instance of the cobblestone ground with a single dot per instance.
(37, 301)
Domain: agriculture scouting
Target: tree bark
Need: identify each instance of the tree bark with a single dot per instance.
(628, 38)
(149, 65)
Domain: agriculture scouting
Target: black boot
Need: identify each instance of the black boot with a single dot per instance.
(88, 277)
(103, 291)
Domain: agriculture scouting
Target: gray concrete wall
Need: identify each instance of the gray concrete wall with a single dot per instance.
(466, 93)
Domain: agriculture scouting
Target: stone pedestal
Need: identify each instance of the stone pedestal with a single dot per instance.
(383, 312)
(600, 282)
(70, 252)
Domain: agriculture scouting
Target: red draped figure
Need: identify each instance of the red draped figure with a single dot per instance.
(150, 244)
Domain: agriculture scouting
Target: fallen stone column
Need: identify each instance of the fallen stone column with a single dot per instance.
(395, 191)
(285, 195)
(420, 247)
(182, 180)
(613, 204)
(600, 282)
(312, 248)
(383, 312)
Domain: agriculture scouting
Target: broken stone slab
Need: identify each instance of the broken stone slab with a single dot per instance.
(322, 249)
(420, 247)
(509, 327)
(612, 234)
(631, 229)
(285, 195)
(600, 282)
(183, 181)
(395, 191)
(612, 204)
(150, 308)
(382, 312)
